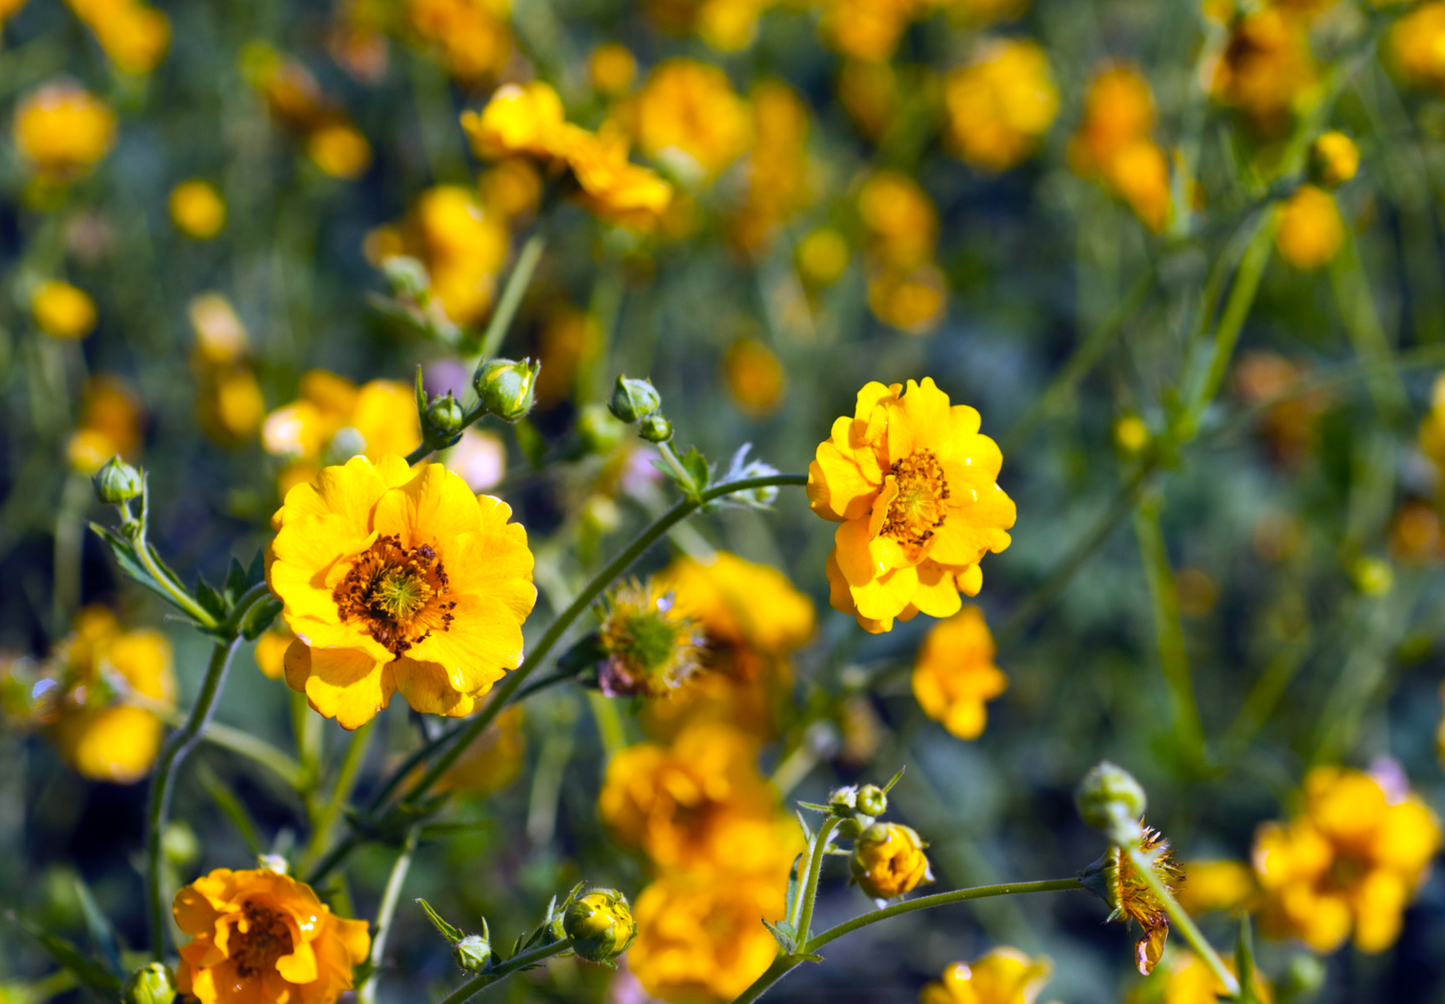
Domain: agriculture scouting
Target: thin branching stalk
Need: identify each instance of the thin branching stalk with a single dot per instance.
(1144, 864)
(515, 964)
(386, 911)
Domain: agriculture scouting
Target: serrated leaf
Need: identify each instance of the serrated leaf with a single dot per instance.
(210, 600)
(90, 972)
(238, 580)
(783, 934)
(449, 931)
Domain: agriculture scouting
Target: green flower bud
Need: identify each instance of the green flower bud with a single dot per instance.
(633, 400)
(117, 482)
(655, 429)
(151, 984)
(843, 801)
(179, 843)
(600, 925)
(444, 417)
(506, 387)
(1109, 799)
(1303, 976)
(473, 953)
(407, 276)
(871, 800)
(598, 430)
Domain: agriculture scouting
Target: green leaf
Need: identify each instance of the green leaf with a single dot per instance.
(238, 580)
(125, 556)
(1244, 962)
(210, 600)
(259, 618)
(894, 779)
(697, 467)
(449, 931)
(90, 972)
(784, 934)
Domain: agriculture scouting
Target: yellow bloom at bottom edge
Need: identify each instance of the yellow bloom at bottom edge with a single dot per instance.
(260, 937)
(1003, 976)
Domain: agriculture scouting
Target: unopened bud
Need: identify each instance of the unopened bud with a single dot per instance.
(633, 400)
(444, 416)
(506, 387)
(117, 482)
(598, 430)
(600, 925)
(1334, 159)
(1303, 975)
(871, 800)
(1109, 799)
(150, 984)
(473, 953)
(407, 276)
(888, 860)
(655, 429)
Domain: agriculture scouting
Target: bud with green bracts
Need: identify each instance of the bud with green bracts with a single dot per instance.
(117, 482)
(655, 429)
(600, 925)
(506, 387)
(633, 400)
(1109, 799)
(473, 953)
(444, 417)
(150, 984)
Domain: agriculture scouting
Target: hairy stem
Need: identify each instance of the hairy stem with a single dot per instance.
(1144, 865)
(518, 962)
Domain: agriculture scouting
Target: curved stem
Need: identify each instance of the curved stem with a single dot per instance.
(287, 768)
(345, 782)
(182, 599)
(785, 964)
(385, 912)
(516, 963)
(172, 755)
(809, 894)
(517, 283)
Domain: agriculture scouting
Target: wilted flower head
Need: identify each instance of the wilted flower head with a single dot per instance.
(652, 646)
(1115, 878)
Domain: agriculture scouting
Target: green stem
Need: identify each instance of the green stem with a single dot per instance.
(285, 767)
(516, 963)
(1144, 865)
(1357, 309)
(172, 755)
(516, 288)
(1236, 309)
(386, 911)
(785, 964)
(809, 893)
(345, 782)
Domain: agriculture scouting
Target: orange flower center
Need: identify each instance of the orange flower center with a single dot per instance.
(260, 938)
(398, 594)
(918, 508)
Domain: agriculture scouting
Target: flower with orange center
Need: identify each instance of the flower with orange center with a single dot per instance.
(954, 673)
(260, 937)
(1001, 104)
(1003, 976)
(398, 579)
(1349, 862)
(912, 483)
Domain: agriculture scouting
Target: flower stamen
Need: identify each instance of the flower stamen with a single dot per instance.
(917, 511)
(260, 938)
(398, 593)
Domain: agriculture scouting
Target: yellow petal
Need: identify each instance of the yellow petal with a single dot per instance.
(347, 685)
(427, 687)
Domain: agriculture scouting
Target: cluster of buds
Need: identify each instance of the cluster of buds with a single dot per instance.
(637, 402)
(888, 859)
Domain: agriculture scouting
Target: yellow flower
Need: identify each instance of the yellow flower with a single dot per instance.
(197, 209)
(697, 805)
(63, 130)
(1185, 979)
(868, 30)
(1334, 158)
(61, 310)
(1417, 45)
(519, 119)
(612, 68)
(911, 300)
(221, 338)
(231, 404)
(511, 188)
(1115, 878)
(1310, 230)
(271, 650)
(652, 646)
(912, 483)
(1350, 861)
(1003, 976)
(133, 35)
(260, 937)
(1113, 144)
(1216, 885)
(822, 257)
(1001, 104)
(493, 761)
(397, 579)
(899, 219)
(109, 424)
(339, 150)
(888, 861)
(472, 36)
(776, 166)
(954, 673)
(1266, 69)
(334, 415)
(295, 99)
(688, 115)
(730, 25)
(754, 376)
(98, 676)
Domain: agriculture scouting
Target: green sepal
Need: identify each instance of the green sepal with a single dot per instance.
(784, 934)
(259, 618)
(449, 931)
(1244, 962)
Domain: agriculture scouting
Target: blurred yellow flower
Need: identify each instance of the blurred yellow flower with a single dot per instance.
(1003, 976)
(109, 424)
(612, 68)
(197, 209)
(569, 340)
(472, 36)
(954, 674)
(510, 188)
(652, 647)
(133, 35)
(688, 116)
(888, 861)
(1350, 861)
(63, 130)
(1334, 159)
(261, 937)
(1113, 144)
(271, 650)
(398, 579)
(295, 99)
(340, 150)
(1415, 534)
(911, 300)
(9, 8)
(61, 310)
(1266, 70)
(697, 804)
(1000, 104)
(867, 30)
(493, 761)
(96, 698)
(754, 376)
(730, 25)
(1216, 885)
(221, 338)
(1417, 45)
(822, 257)
(776, 168)
(912, 483)
(1185, 979)
(1309, 229)
(900, 220)
(333, 416)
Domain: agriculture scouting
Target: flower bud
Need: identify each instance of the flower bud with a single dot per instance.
(655, 429)
(888, 860)
(1334, 159)
(843, 801)
(506, 387)
(871, 800)
(1109, 799)
(1373, 576)
(444, 416)
(1303, 976)
(598, 430)
(600, 925)
(633, 400)
(473, 953)
(117, 482)
(150, 984)
(407, 276)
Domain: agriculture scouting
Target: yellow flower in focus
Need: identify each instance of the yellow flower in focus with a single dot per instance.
(1186, 979)
(493, 761)
(63, 130)
(1003, 976)
(339, 150)
(1000, 104)
(612, 68)
(1266, 69)
(1334, 159)
(1417, 45)
(109, 424)
(954, 673)
(1216, 885)
(472, 36)
(97, 677)
(888, 861)
(398, 579)
(1309, 229)
(1348, 863)
(754, 376)
(197, 209)
(260, 936)
(62, 311)
(912, 483)
(696, 805)
(688, 116)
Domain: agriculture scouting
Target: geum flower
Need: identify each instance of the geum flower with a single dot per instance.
(912, 482)
(398, 579)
